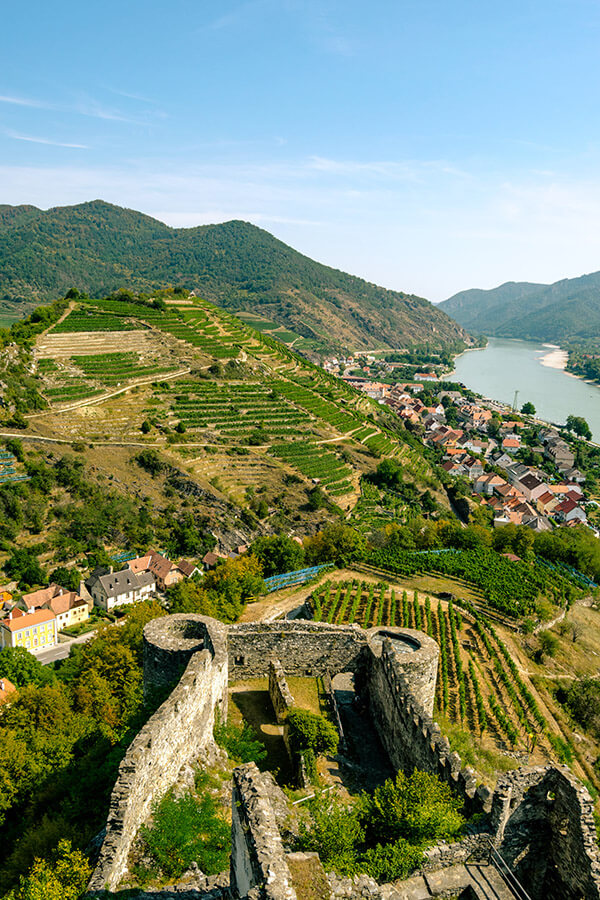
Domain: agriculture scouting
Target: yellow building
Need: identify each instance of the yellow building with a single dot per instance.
(34, 630)
(68, 607)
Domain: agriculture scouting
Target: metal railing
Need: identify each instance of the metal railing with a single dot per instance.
(300, 576)
(493, 858)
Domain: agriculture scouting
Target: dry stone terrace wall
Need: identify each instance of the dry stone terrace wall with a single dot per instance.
(176, 734)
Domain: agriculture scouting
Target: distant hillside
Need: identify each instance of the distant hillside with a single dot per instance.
(565, 312)
(98, 248)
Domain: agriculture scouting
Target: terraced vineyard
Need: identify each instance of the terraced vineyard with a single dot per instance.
(89, 320)
(71, 391)
(244, 389)
(319, 407)
(234, 409)
(113, 368)
(318, 464)
(479, 685)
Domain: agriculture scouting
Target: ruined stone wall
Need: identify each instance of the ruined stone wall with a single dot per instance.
(543, 821)
(178, 732)
(279, 692)
(257, 857)
(305, 648)
(396, 683)
(171, 641)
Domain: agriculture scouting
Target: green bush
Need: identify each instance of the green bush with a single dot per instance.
(384, 833)
(240, 742)
(391, 862)
(310, 731)
(417, 807)
(184, 831)
(583, 702)
(334, 833)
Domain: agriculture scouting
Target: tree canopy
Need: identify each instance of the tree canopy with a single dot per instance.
(579, 425)
(278, 554)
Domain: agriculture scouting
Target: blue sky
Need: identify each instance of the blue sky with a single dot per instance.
(428, 146)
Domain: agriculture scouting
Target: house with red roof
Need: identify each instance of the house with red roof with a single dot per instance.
(511, 445)
(68, 607)
(568, 511)
(546, 502)
(166, 573)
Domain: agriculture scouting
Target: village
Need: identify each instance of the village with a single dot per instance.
(482, 441)
(42, 619)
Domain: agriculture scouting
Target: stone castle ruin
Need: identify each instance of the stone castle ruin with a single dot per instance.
(540, 820)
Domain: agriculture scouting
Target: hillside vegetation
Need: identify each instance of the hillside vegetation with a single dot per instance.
(181, 399)
(99, 248)
(567, 311)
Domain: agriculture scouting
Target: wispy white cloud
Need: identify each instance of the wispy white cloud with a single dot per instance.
(94, 110)
(85, 107)
(390, 170)
(129, 95)
(15, 136)
(25, 101)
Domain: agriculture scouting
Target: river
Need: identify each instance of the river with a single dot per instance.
(504, 367)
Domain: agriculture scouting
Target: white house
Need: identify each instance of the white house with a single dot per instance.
(120, 588)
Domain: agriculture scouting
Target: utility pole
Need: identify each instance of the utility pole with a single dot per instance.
(515, 401)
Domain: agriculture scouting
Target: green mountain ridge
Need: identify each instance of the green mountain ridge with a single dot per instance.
(99, 248)
(567, 311)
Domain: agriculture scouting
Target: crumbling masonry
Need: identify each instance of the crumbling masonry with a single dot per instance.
(540, 819)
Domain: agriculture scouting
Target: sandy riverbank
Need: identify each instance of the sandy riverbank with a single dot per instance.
(555, 358)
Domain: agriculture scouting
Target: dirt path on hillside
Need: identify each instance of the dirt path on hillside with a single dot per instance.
(91, 401)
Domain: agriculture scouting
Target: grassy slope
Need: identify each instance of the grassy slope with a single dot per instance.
(99, 248)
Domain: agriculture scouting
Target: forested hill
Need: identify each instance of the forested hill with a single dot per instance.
(98, 248)
(566, 311)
